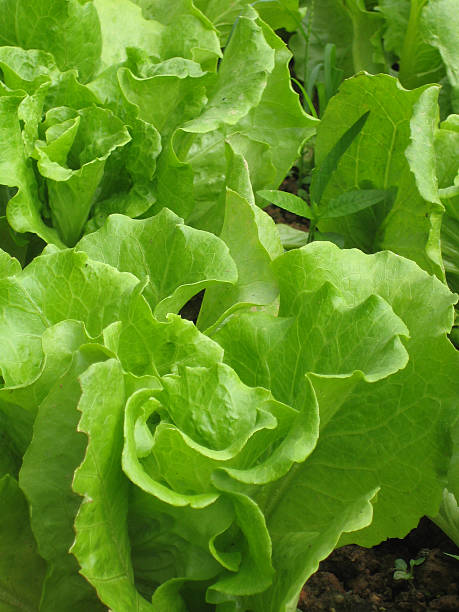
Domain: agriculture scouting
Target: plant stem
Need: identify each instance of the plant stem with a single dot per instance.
(312, 230)
(306, 97)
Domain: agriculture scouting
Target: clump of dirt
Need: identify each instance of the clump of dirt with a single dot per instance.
(356, 579)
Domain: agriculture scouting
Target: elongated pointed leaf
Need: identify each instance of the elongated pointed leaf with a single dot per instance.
(351, 202)
(322, 175)
(287, 201)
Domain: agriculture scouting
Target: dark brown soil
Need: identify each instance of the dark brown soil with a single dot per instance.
(355, 579)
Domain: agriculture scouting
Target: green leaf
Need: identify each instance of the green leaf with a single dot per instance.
(252, 241)
(255, 571)
(22, 569)
(9, 266)
(55, 287)
(26, 70)
(102, 516)
(123, 25)
(283, 345)
(446, 144)
(23, 209)
(240, 83)
(47, 472)
(220, 424)
(354, 30)
(331, 24)
(291, 238)
(73, 159)
(175, 261)
(351, 202)
(421, 152)
(420, 62)
(447, 517)
(366, 27)
(345, 466)
(265, 126)
(410, 225)
(287, 201)
(185, 31)
(76, 43)
(279, 121)
(440, 24)
(140, 443)
(174, 95)
(285, 14)
(323, 172)
(252, 250)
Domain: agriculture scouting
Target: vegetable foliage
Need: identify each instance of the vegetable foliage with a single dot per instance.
(151, 463)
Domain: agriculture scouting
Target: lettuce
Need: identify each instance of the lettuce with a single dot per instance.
(173, 469)
(97, 123)
(153, 463)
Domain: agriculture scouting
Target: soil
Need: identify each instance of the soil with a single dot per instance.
(356, 579)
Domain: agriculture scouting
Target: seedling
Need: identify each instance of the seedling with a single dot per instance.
(345, 204)
(402, 572)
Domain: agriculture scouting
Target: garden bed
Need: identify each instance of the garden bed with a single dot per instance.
(357, 579)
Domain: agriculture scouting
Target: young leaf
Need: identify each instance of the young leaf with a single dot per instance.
(287, 201)
(323, 173)
(351, 202)
(175, 261)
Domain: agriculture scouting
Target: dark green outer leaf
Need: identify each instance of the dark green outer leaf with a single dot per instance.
(21, 569)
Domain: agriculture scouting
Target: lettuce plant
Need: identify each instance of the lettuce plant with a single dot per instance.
(167, 468)
(125, 107)
(150, 463)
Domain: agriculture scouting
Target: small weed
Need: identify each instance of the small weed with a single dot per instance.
(401, 570)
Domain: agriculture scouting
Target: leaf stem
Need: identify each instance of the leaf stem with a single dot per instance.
(407, 74)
